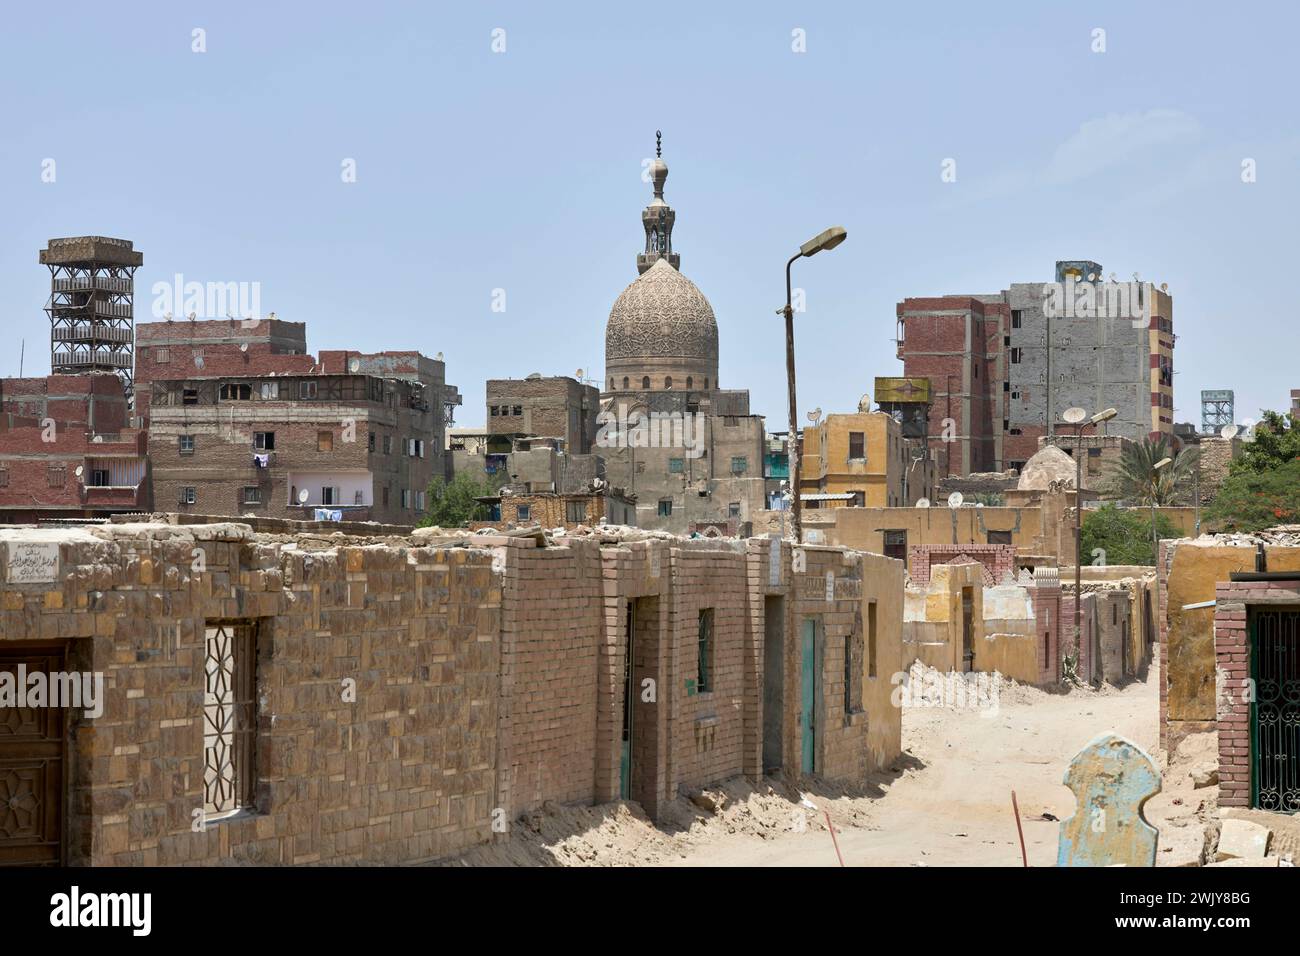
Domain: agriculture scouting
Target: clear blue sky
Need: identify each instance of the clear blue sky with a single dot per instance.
(521, 170)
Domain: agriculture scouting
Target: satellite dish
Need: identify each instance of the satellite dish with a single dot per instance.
(98, 439)
(303, 496)
(80, 471)
(438, 357)
(534, 376)
(864, 403)
(955, 499)
(192, 316)
(271, 316)
(243, 346)
(923, 503)
(1229, 431)
(198, 361)
(578, 375)
(815, 414)
(1074, 415)
(354, 365)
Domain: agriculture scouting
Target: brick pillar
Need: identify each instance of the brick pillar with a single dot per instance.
(1163, 562)
(1046, 595)
(1232, 658)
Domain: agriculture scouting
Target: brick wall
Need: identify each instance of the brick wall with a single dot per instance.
(998, 560)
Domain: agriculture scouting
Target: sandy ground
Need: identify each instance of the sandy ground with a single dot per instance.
(946, 802)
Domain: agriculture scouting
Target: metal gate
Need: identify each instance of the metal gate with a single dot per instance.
(31, 765)
(1275, 712)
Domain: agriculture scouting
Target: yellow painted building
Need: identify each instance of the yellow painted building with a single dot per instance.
(861, 459)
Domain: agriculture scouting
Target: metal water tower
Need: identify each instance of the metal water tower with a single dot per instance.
(1216, 410)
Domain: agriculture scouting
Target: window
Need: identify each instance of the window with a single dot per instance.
(1015, 318)
(4, 477)
(162, 355)
(252, 495)
(330, 495)
(704, 652)
(575, 511)
(645, 381)
(668, 381)
(307, 389)
(419, 500)
(56, 475)
(185, 444)
(665, 507)
(517, 410)
(1016, 354)
(264, 441)
(270, 391)
(325, 441)
(690, 382)
(739, 465)
(98, 478)
(896, 544)
(999, 537)
(189, 396)
(370, 443)
(1006, 340)
(235, 392)
(871, 638)
(414, 448)
(388, 444)
(1006, 387)
(857, 445)
(733, 509)
(229, 717)
(523, 512)
(494, 411)
(406, 498)
(384, 496)
(853, 648)
(189, 496)
(676, 466)
(625, 382)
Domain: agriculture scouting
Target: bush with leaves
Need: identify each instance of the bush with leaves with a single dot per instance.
(1275, 442)
(1136, 480)
(1249, 500)
(452, 505)
(1122, 535)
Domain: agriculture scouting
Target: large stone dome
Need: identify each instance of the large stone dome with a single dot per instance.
(661, 329)
(1045, 466)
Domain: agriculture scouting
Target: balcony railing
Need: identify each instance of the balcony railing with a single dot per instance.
(93, 284)
(91, 332)
(92, 358)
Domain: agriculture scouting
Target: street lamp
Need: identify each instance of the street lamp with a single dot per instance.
(1080, 420)
(829, 239)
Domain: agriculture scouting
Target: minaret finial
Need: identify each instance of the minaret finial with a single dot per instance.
(659, 144)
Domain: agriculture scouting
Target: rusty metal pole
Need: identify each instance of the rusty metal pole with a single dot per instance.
(792, 443)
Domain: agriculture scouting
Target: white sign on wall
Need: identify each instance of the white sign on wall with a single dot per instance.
(33, 563)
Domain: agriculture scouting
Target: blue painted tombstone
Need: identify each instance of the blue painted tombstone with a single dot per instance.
(1112, 779)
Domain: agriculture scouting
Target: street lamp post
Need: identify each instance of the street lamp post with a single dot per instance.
(1078, 418)
(829, 239)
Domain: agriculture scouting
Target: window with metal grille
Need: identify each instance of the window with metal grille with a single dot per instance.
(739, 465)
(229, 715)
(704, 652)
(307, 389)
(264, 441)
(896, 545)
(577, 511)
(235, 392)
(676, 466)
(252, 495)
(186, 444)
(523, 512)
(857, 445)
(56, 475)
(189, 496)
(162, 355)
(665, 507)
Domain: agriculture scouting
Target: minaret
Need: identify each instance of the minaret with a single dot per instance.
(658, 217)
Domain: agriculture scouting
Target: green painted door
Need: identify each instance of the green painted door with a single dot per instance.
(808, 696)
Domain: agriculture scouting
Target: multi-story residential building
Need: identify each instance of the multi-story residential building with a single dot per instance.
(68, 450)
(242, 420)
(1003, 367)
(542, 407)
(862, 460)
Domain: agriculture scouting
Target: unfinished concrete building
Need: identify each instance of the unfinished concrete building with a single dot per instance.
(1003, 367)
(275, 698)
(243, 420)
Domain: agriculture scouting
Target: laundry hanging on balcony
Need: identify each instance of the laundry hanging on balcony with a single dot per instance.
(262, 461)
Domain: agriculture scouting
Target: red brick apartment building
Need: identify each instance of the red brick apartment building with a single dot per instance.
(68, 451)
(1002, 370)
(243, 420)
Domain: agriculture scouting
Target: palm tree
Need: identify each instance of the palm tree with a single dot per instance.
(1136, 480)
